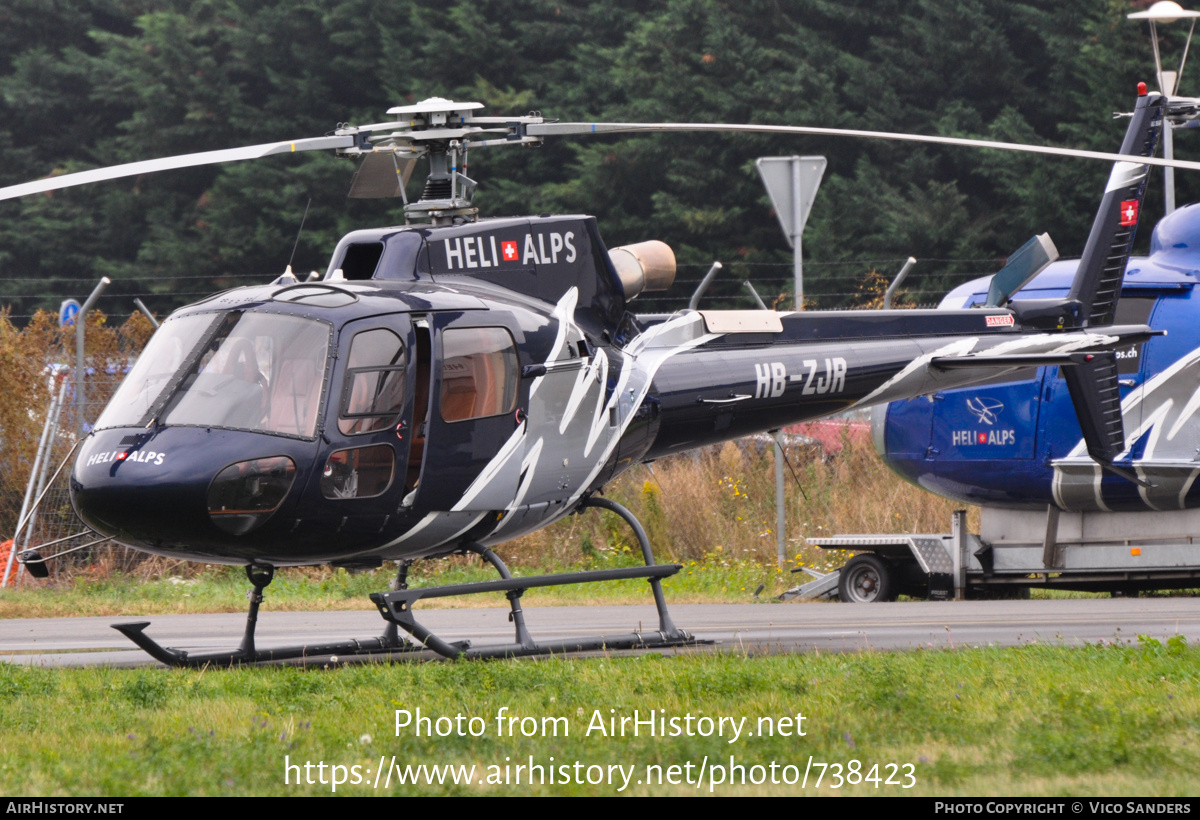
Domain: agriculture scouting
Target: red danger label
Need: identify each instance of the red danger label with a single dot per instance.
(999, 321)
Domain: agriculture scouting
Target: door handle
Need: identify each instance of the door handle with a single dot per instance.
(733, 397)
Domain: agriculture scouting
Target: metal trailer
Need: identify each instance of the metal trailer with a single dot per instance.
(1121, 553)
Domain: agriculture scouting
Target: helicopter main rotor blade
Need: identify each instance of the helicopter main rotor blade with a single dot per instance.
(564, 128)
(179, 161)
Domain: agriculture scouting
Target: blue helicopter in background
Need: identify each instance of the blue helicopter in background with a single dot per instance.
(1050, 515)
(1014, 442)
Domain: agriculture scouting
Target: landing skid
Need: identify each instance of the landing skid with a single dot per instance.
(396, 608)
(260, 577)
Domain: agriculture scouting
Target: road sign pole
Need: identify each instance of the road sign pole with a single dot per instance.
(792, 192)
(80, 361)
(798, 229)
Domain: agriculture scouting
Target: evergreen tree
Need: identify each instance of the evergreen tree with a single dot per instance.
(86, 83)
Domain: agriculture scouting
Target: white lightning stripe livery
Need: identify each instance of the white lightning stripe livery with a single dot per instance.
(1095, 473)
(598, 414)
(641, 360)
(1185, 414)
(1154, 425)
(563, 312)
(423, 524)
(1166, 462)
(1044, 343)
(1187, 486)
(1142, 393)
(528, 470)
(959, 348)
(596, 372)
(1125, 174)
(655, 346)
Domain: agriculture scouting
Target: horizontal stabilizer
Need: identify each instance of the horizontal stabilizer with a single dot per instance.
(1031, 360)
(1112, 338)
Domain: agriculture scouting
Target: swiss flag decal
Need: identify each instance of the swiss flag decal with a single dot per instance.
(981, 437)
(509, 250)
(1129, 212)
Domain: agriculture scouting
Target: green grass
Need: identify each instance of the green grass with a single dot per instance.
(223, 589)
(714, 579)
(1037, 720)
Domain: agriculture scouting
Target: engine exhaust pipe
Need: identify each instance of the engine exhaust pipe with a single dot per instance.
(646, 266)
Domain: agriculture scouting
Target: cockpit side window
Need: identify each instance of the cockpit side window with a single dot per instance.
(479, 373)
(156, 371)
(374, 390)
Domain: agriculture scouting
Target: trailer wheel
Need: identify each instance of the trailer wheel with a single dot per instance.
(866, 579)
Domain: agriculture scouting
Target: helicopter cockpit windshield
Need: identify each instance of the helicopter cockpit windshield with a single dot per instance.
(239, 370)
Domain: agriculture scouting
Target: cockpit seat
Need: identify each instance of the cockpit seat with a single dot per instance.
(294, 397)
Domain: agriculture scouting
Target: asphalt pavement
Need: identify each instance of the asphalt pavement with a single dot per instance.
(756, 628)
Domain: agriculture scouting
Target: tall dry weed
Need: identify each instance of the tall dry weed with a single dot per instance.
(720, 502)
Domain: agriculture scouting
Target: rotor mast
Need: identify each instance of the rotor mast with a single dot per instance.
(443, 131)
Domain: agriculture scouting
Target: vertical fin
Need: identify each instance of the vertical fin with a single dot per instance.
(1097, 285)
(1097, 400)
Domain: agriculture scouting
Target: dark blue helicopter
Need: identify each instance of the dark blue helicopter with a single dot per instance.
(1015, 442)
(455, 382)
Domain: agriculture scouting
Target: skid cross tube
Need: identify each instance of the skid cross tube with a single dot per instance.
(396, 607)
(534, 581)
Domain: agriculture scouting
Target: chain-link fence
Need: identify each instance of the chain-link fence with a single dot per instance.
(42, 418)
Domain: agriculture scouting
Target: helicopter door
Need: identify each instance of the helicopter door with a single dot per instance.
(474, 434)
(996, 419)
(367, 424)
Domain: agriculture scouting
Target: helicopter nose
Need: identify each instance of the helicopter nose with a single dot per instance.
(183, 491)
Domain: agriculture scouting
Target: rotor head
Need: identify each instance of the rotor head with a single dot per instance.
(441, 130)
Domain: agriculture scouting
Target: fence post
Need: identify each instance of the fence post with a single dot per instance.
(80, 366)
(42, 455)
(780, 511)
